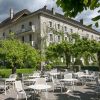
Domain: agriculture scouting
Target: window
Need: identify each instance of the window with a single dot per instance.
(3, 34)
(30, 23)
(58, 26)
(51, 37)
(87, 35)
(71, 30)
(30, 37)
(22, 26)
(10, 31)
(65, 38)
(58, 38)
(22, 38)
(92, 37)
(65, 28)
(50, 23)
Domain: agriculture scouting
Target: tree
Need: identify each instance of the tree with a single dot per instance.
(72, 7)
(18, 55)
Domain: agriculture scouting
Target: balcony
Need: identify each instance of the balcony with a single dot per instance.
(26, 30)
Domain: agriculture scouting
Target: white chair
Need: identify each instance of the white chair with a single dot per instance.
(19, 89)
(11, 80)
(68, 76)
(57, 84)
(3, 86)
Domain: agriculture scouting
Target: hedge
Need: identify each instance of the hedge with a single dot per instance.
(91, 68)
(7, 72)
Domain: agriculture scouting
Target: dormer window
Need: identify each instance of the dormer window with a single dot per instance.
(30, 23)
(50, 23)
(22, 27)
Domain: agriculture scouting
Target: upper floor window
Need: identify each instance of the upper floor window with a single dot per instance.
(58, 38)
(71, 30)
(50, 23)
(65, 28)
(22, 27)
(65, 38)
(30, 23)
(92, 37)
(58, 26)
(51, 37)
(30, 37)
(87, 35)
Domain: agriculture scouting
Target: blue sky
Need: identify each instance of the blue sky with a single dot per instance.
(34, 5)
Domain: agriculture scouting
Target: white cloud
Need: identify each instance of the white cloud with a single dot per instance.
(33, 5)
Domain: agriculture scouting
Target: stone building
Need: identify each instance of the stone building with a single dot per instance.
(37, 27)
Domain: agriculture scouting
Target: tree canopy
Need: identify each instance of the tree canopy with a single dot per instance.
(72, 7)
(14, 53)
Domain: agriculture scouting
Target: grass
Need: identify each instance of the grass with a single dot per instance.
(7, 72)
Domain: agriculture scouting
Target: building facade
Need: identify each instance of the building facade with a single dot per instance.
(38, 28)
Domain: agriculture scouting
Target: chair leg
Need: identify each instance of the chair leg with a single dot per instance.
(17, 96)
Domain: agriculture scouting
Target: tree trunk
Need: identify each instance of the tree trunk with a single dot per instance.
(98, 57)
(13, 70)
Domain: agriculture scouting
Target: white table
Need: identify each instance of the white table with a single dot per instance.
(72, 80)
(39, 87)
(30, 81)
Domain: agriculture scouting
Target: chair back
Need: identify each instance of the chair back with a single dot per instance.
(18, 86)
(80, 74)
(54, 70)
(68, 76)
(40, 81)
(36, 74)
(13, 76)
(87, 72)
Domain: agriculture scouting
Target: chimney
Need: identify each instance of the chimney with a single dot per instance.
(11, 13)
(53, 11)
(45, 7)
(81, 21)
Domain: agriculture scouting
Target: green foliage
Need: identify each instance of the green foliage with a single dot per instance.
(17, 54)
(72, 7)
(90, 68)
(7, 72)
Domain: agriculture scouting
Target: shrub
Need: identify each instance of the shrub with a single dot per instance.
(7, 72)
(91, 68)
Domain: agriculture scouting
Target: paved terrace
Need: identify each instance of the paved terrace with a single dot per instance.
(86, 92)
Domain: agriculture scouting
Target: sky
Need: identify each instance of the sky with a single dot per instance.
(34, 5)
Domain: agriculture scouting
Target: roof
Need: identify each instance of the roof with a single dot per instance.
(45, 11)
(7, 21)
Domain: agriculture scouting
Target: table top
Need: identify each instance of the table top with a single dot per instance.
(54, 73)
(72, 79)
(33, 76)
(39, 87)
(8, 79)
(29, 80)
(86, 75)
